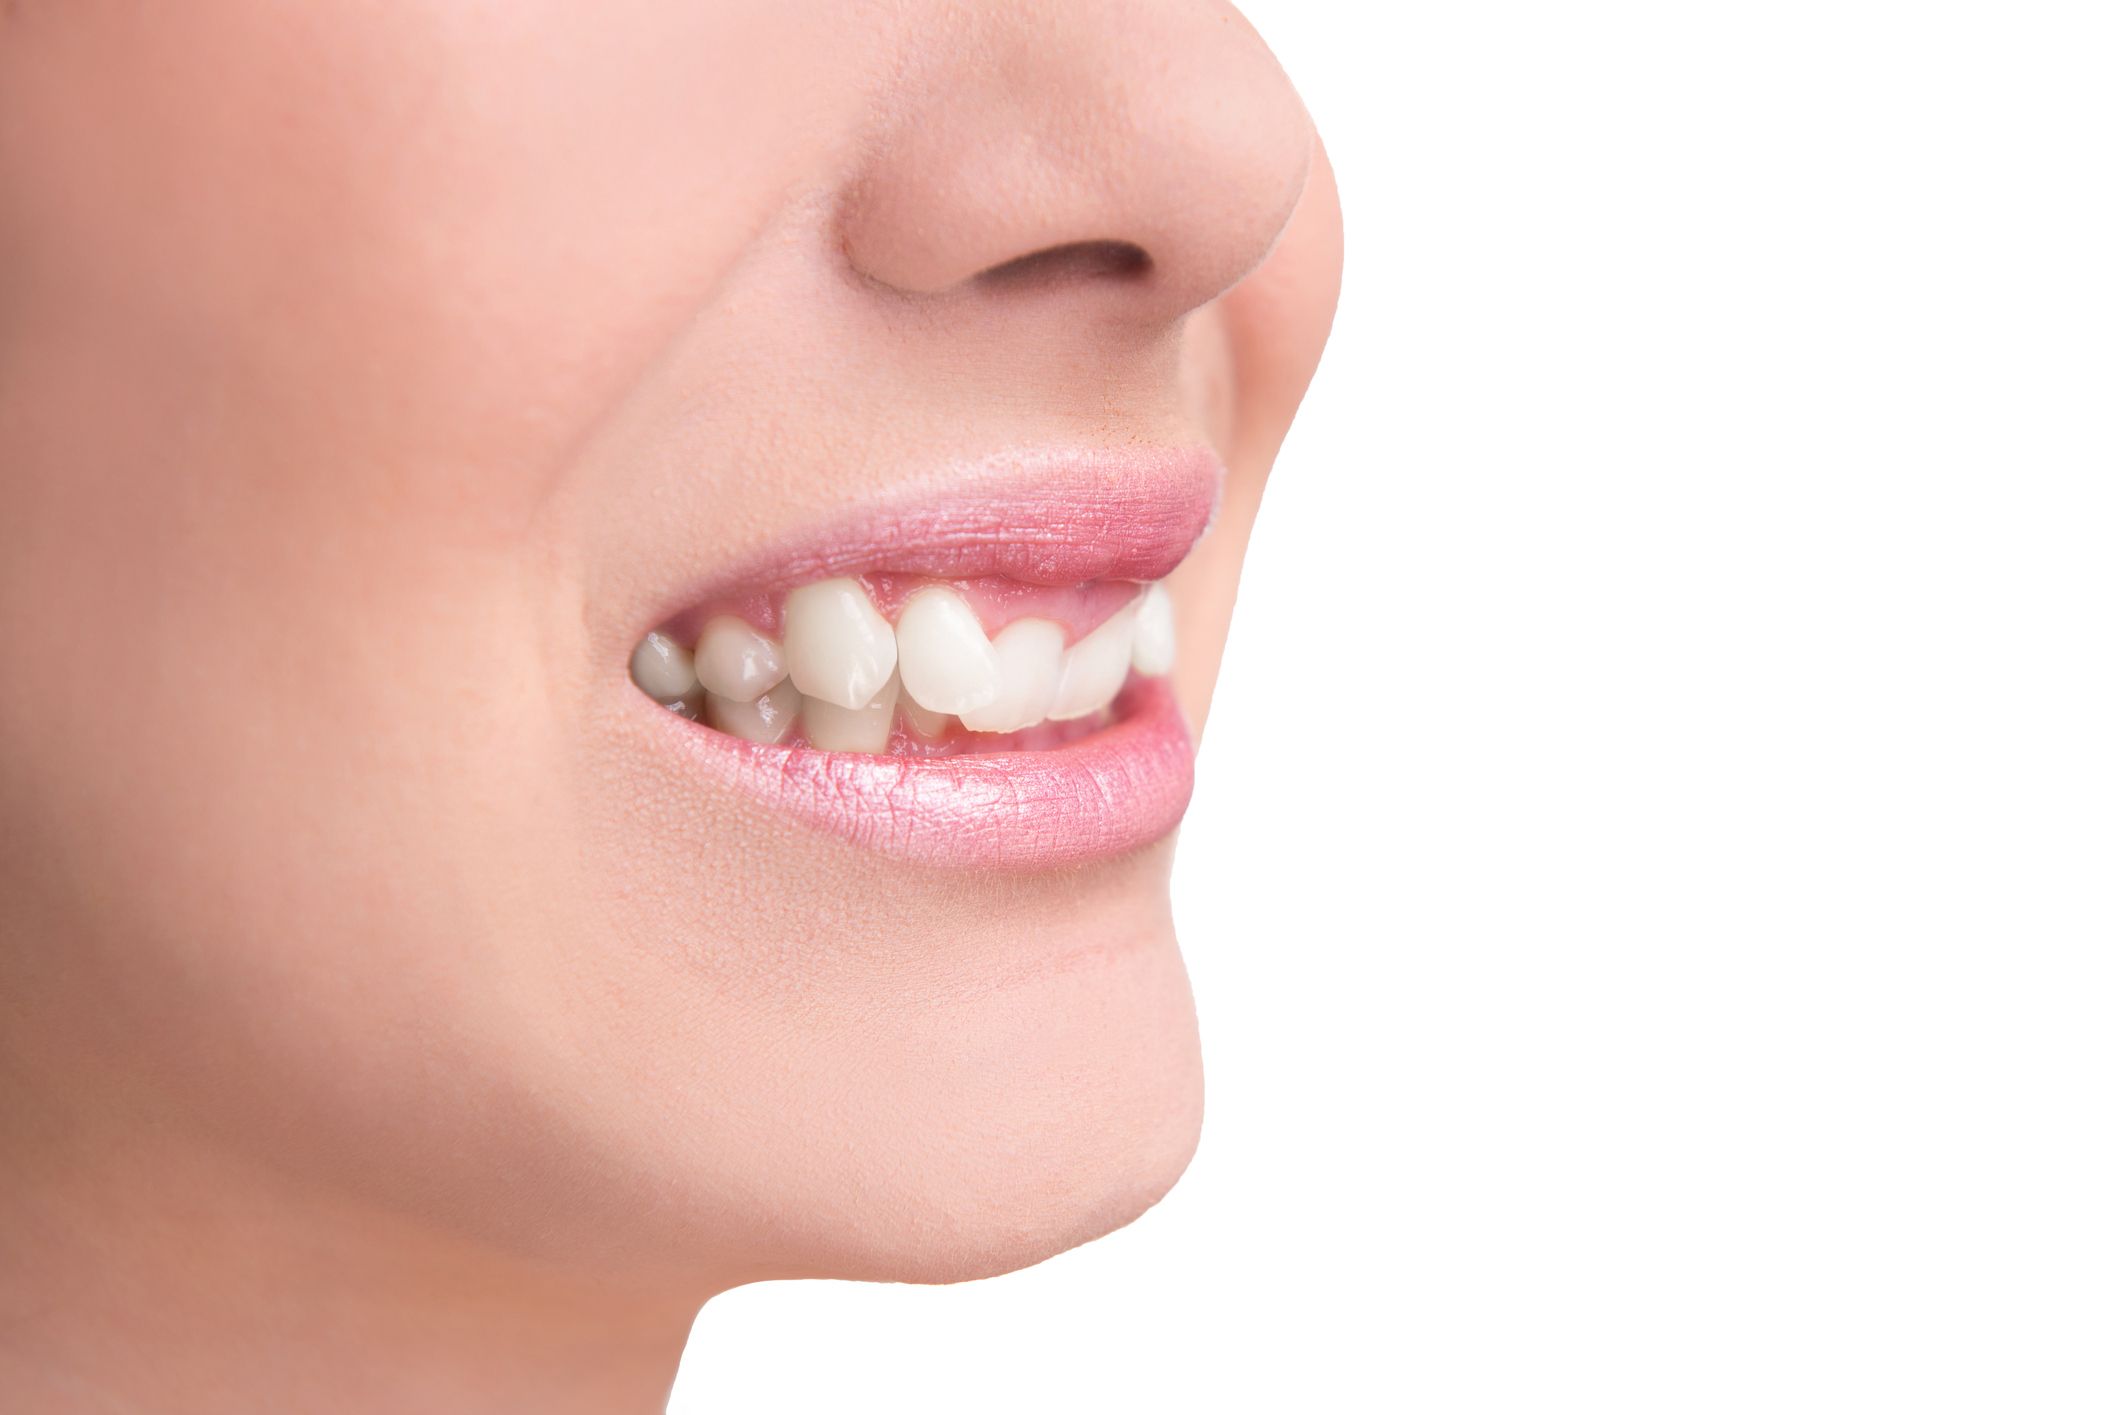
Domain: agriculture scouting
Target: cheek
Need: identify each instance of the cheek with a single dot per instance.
(286, 383)
(291, 838)
(403, 259)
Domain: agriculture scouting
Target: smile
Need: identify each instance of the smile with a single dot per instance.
(979, 681)
(955, 669)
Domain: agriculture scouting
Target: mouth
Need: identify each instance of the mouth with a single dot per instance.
(977, 677)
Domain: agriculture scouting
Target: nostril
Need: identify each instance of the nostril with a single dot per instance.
(1076, 260)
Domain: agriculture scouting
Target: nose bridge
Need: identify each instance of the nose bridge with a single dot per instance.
(1152, 149)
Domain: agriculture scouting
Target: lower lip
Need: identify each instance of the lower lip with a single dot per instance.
(1113, 791)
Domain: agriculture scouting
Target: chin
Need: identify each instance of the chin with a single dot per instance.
(989, 1136)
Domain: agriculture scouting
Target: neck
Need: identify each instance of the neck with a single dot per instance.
(173, 1282)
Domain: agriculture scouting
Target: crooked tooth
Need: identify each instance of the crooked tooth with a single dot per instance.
(1155, 632)
(662, 668)
(944, 659)
(1031, 654)
(832, 728)
(839, 650)
(736, 661)
(767, 718)
(1095, 668)
(922, 722)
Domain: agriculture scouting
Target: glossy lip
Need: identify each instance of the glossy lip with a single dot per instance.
(1046, 518)
(1113, 791)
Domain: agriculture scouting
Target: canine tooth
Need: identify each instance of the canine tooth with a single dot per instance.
(736, 661)
(661, 668)
(687, 707)
(1155, 632)
(1031, 653)
(922, 722)
(1095, 668)
(832, 728)
(944, 659)
(839, 650)
(767, 718)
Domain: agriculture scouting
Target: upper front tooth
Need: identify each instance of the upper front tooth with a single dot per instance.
(944, 660)
(1031, 652)
(736, 661)
(1155, 632)
(1095, 668)
(661, 668)
(839, 650)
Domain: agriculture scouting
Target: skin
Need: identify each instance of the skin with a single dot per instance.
(385, 1021)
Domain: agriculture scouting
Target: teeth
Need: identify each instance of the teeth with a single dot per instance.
(921, 722)
(1031, 653)
(736, 661)
(1155, 633)
(847, 677)
(832, 728)
(1095, 667)
(944, 660)
(839, 650)
(768, 718)
(663, 670)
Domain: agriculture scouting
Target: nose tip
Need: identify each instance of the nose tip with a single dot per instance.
(1147, 150)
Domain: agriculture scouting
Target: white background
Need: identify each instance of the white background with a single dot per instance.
(1667, 966)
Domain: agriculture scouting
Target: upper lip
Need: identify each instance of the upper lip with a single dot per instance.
(1048, 517)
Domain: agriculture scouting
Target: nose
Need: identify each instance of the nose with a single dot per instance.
(1140, 154)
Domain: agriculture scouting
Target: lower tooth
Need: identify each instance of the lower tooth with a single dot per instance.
(832, 728)
(662, 668)
(1031, 652)
(1095, 668)
(769, 719)
(924, 723)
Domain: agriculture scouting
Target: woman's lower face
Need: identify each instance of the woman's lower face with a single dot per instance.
(650, 584)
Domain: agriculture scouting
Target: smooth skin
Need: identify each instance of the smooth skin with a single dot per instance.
(387, 1019)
